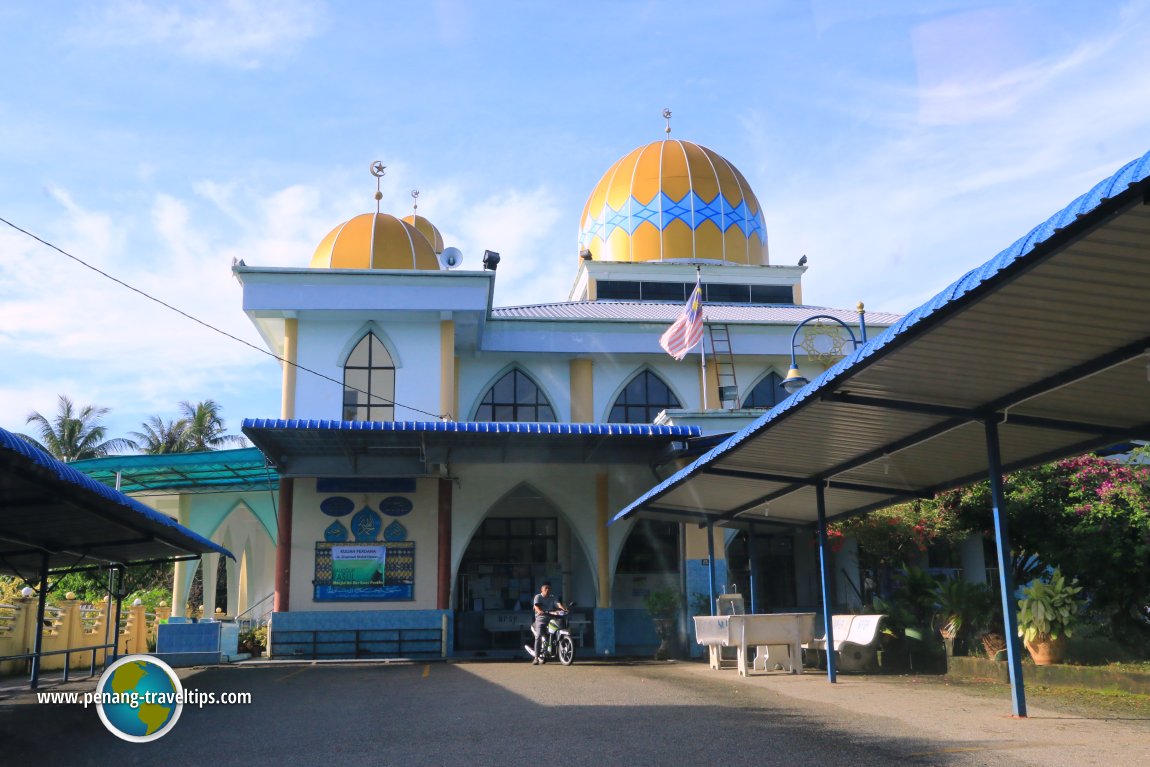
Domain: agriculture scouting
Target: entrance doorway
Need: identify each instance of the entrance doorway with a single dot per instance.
(522, 543)
(774, 555)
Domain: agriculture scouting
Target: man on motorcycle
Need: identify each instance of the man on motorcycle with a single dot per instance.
(543, 603)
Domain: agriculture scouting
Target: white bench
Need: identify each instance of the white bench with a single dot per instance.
(855, 641)
(785, 630)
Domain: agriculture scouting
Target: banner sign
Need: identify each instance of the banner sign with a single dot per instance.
(365, 572)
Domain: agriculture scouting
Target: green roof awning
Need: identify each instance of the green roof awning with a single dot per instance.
(215, 471)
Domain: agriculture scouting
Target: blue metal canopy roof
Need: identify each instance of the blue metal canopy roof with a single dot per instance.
(415, 448)
(47, 507)
(472, 427)
(1048, 338)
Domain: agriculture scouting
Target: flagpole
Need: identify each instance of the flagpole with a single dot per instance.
(703, 340)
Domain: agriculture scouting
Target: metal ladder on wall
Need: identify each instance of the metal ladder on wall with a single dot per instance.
(724, 361)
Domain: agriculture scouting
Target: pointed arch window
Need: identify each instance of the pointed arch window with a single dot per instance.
(767, 393)
(515, 397)
(369, 382)
(642, 399)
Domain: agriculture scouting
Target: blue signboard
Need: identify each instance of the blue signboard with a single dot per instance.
(337, 506)
(396, 506)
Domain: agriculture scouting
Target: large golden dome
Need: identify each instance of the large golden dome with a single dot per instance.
(672, 200)
(375, 241)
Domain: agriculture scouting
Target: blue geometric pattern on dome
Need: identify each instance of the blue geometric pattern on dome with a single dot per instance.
(691, 209)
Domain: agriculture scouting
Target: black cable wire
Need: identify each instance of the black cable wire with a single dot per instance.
(198, 321)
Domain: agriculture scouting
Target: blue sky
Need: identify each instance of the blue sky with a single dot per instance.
(896, 144)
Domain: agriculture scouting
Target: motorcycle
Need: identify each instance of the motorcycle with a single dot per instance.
(557, 642)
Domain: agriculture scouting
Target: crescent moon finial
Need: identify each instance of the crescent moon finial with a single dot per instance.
(379, 170)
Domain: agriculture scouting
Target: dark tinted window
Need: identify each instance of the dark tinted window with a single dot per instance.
(627, 290)
(369, 382)
(514, 397)
(767, 392)
(651, 547)
(617, 290)
(643, 398)
(727, 294)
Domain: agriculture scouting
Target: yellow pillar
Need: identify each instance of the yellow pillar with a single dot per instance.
(582, 391)
(602, 548)
(211, 565)
(138, 638)
(291, 357)
(447, 369)
(183, 572)
(456, 402)
(72, 628)
(798, 293)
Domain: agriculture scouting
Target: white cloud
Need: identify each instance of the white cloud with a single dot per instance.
(235, 32)
(77, 333)
(519, 225)
(899, 219)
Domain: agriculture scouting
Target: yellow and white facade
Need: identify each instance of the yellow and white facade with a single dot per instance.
(483, 449)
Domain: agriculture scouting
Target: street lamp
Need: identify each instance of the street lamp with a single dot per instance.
(795, 380)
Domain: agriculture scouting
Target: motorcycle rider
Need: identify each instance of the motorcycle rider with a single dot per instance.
(543, 603)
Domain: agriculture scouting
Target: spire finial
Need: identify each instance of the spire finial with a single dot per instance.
(415, 202)
(379, 170)
(667, 117)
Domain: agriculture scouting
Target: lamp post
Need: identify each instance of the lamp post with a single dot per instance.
(795, 380)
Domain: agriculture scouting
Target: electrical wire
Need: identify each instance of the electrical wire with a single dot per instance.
(211, 327)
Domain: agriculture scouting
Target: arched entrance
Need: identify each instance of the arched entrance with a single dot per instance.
(648, 562)
(522, 541)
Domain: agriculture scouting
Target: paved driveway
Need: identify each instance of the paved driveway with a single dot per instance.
(511, 713)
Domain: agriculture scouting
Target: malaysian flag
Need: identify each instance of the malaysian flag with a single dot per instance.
(687, 331)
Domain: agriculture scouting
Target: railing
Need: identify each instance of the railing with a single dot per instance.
(69, 631)
(7, 620)
(67, 653)
(358, 643)
(248, 623)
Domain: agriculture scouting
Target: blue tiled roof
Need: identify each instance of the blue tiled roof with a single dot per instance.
(1014, 256)
(469, 427)
(130, 506)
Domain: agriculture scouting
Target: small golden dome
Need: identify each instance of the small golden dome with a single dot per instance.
(375, 241)
(673, 200)
(428, 230)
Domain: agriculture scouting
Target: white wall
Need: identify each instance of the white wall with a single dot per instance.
(325, 344)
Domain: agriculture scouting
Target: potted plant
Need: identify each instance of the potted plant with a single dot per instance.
(664, 606)
(960, 606)
(1047, 613)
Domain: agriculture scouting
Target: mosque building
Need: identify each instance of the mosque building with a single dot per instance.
(439, 457)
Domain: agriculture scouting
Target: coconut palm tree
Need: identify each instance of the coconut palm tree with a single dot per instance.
(205, 426)
(157, 437)
(75, 432)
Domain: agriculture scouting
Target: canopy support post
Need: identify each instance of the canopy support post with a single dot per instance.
(119, 569)
(1005, 581)
(825, 566)
(41, 606)
(711, 566)
(753, 567)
